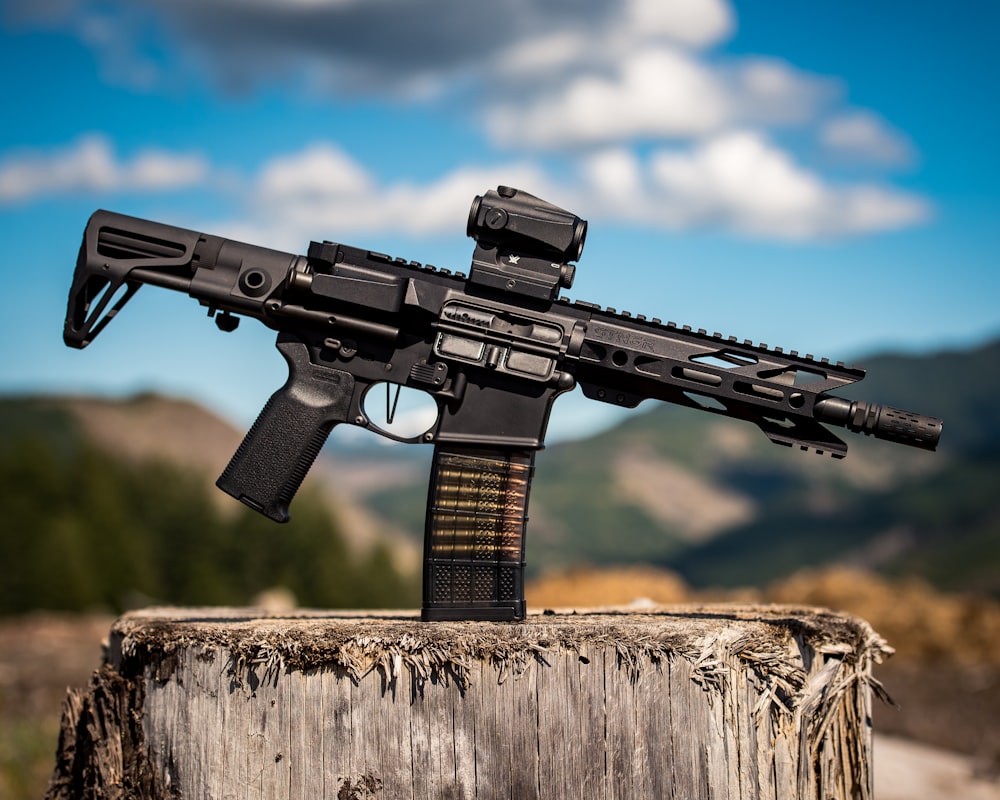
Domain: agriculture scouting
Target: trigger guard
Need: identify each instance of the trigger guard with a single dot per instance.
(427, 436)
(425, 433)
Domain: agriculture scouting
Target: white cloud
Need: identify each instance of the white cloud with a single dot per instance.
(90, 165)
(321, 189)
(770, 92)
(614, 175)
(866, 137)
(750, 186)
(320, 170)
(740, 177)
(543, 53)
(643, 74)
(546, 73)
(697, 23)
(656, 92)
(737, 181)
(741, 182)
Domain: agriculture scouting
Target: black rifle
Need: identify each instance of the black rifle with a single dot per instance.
(494, 349)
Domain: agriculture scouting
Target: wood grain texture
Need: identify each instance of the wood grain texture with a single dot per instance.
(683, 702)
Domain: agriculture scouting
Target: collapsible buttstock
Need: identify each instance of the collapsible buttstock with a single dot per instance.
(117, 255)
(474, 534)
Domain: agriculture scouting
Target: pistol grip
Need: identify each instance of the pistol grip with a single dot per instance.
(474, 534)
(277, 452)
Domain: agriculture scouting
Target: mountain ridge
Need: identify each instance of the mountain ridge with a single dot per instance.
(153, 427)
(704, 495)
(618, 497)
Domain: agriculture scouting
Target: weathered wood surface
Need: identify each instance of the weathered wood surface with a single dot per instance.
(707, 702)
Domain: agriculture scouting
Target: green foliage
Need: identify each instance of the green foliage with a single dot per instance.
(960, 387)
(944, 528)
(83, 530)
(26, 747)
(592, 519)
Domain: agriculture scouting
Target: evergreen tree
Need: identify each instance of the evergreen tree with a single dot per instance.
(84, 530)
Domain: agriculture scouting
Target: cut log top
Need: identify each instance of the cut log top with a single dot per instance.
(765, 638)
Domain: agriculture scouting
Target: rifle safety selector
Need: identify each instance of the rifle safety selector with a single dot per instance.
(524, 244)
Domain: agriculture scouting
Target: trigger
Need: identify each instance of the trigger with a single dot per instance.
(390, 408)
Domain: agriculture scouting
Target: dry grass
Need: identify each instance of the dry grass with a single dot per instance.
(921, 623)
(592, 588)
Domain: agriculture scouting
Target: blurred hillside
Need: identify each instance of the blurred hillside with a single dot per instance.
(713, 500)
(892, 509)
(112, 488)
(109, 505)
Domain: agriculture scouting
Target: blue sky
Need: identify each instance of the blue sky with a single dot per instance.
(820, 176)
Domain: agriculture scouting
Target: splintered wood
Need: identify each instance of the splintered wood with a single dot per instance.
(680, 702)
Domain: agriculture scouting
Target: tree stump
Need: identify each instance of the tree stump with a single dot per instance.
(681, 702)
